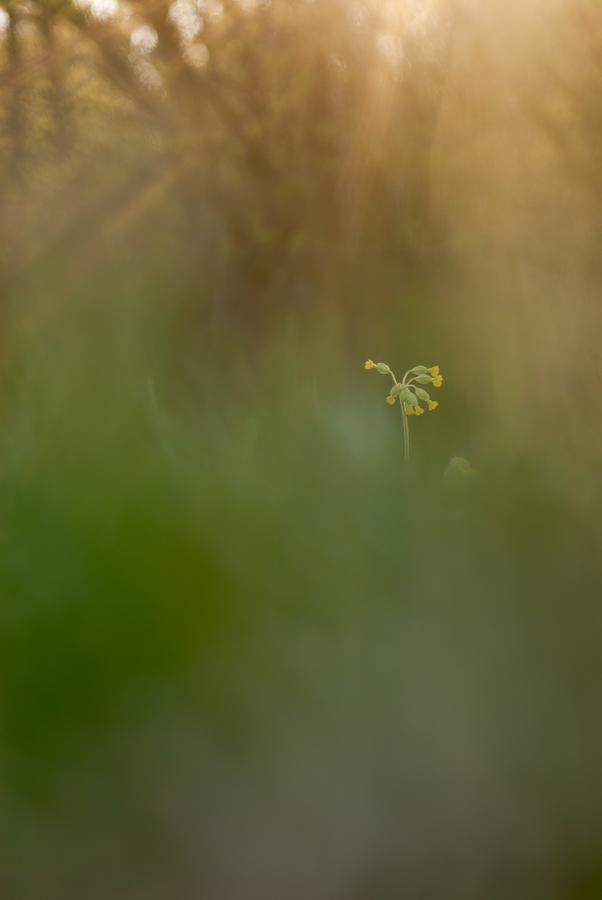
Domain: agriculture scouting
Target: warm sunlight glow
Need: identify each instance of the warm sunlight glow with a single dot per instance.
(100, 9)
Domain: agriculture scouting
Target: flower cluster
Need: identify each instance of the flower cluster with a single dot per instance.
(408, 389)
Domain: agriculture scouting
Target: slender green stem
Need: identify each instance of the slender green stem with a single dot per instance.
(406, 433)
(406, 429)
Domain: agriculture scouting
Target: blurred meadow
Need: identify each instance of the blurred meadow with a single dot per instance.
(246, 653)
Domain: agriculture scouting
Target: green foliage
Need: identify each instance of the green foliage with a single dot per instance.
(238, 601)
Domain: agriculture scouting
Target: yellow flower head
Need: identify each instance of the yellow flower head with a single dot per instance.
(434, 370)
(409, 410)
(370, 364)
(391, 400)
(419, 410)
(437, 381)
(432, 404)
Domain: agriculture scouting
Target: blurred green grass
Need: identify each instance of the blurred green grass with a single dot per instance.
(230, 621)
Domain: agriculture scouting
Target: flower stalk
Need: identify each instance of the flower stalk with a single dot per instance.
(409, 393)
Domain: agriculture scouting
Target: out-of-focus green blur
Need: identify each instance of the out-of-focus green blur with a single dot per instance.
(246, 654)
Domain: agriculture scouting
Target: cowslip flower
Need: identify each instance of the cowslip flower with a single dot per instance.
(410, 393)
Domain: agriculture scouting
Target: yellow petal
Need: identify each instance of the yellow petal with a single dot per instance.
(391, 400)
(369, 364)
